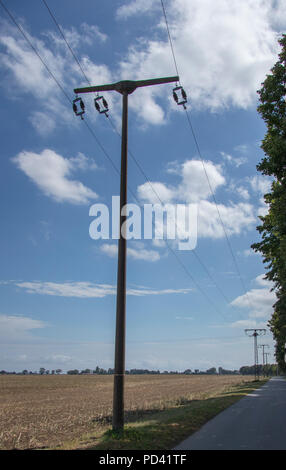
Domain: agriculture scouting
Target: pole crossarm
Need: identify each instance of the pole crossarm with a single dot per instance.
(127, 86)
(255, 331)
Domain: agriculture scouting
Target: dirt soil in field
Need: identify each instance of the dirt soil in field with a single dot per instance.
(38, 411)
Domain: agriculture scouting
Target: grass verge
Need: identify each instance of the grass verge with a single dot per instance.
(163, 430)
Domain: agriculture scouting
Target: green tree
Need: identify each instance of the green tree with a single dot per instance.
(272, 246)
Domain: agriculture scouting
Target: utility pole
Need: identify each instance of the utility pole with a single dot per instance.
(125, 88)
(263, 354)
(255, 332)
(266, 354)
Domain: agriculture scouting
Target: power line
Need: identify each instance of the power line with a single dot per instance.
(157, 195)
(114, 127)
(130, 153)
(35, 50)
(170, 38)
(141, 170)
(59, 85)
(106, 153)
(202, 161)
(65, 40)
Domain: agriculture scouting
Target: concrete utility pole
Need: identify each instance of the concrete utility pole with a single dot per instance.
(125, 88)
(255, 332)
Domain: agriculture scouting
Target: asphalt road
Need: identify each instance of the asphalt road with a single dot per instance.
(256, 422)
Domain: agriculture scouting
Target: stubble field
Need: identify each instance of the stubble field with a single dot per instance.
(46, 411)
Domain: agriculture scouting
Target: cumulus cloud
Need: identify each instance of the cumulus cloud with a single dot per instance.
(259, 301)
(198, 182)
(52, 174)
(223, 49)
(29, 76)
(235, 218)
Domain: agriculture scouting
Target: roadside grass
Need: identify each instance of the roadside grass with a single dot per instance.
(163, 430)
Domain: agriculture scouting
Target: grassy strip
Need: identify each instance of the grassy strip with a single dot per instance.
(162, 430)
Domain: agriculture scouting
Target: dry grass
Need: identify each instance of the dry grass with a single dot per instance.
(45, 411)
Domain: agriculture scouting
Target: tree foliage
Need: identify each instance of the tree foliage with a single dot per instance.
(272, 246)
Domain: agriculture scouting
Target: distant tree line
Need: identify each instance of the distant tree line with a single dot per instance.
(42, 371)
(263, 370)
(267, 370)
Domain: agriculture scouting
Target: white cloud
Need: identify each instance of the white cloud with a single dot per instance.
(249, 252)
(138, 253)
(17, 326)
(42, 122)
(259, 300)
(140, 292)
(235, 217)
(260, 184)
(85, 34)
(248, 323)
(198, 182)
(68, 289)
(88, 34)
(82, 162)
(28, 74)
(236, 161)
(199, 179)
(25, 67)
(134, 8)
(155, 193)
(52, 174)
(243, 192)
(88, 289)
(58, 359)
(262, 281)
(223, 49)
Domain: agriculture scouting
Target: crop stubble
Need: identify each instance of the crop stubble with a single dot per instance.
(41, 411)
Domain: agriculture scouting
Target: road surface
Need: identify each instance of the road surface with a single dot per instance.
(256, 422)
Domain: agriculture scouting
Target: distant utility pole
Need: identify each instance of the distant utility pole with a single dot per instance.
(263, 353)
(266, 354)
(125, 88)
(255, 332)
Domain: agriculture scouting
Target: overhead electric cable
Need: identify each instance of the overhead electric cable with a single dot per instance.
(202, 161)
(130, 153)
(65, 40)
(103, 149)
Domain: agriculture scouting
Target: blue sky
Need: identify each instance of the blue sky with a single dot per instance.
(58, 286)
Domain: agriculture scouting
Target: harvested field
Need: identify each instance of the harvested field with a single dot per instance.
(42, 411)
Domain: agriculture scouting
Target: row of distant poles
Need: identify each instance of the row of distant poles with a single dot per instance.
(125, 88)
